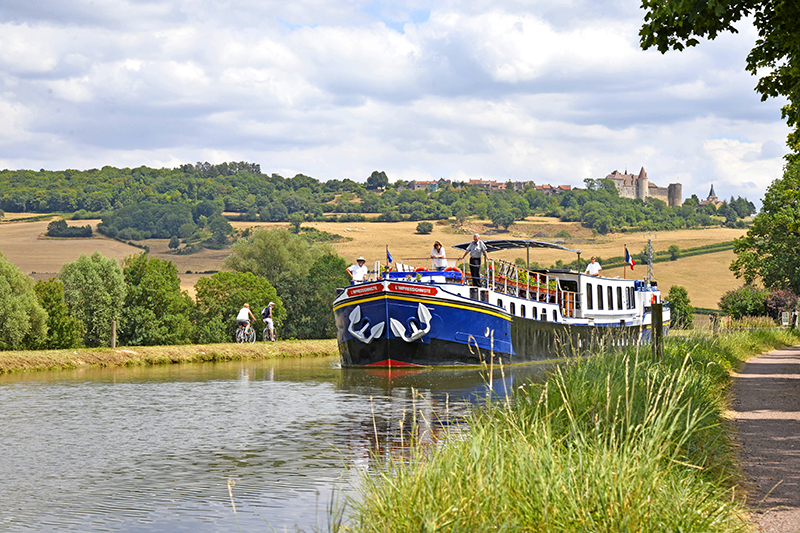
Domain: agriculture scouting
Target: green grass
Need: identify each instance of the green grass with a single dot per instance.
(614, 442)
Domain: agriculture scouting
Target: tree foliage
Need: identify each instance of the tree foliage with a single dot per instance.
(22, 320)
(747, 300)
(59, 228)
(63, 330)
(156, 311)
(681, 310)
(424, 228)
(677, 24)
(94, 289)
(275, 254)
(770, 251)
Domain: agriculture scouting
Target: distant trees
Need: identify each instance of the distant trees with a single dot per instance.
(59, 228)
(23, 321)
(94, 289)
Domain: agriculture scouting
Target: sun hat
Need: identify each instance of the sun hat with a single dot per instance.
(271, 304)
(360, 258)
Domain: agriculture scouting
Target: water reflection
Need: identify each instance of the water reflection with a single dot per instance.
(152, 448)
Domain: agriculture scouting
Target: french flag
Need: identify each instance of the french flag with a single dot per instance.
(629, 259)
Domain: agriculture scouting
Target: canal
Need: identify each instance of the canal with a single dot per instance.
(164, 448)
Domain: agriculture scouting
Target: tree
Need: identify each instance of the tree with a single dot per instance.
(309, 300)
(780, 301)
(295, 220)
(220, 228)
(219, 298)
(424, 228)
(770, 251)
(747, 300)
(63, 330)
(274, 254)
(377, 180)
(674, 252)
(156, 311)
(23, 321)
(681, 309)
(503, 218)
(174, 242)
(676, 24)
(94, 290)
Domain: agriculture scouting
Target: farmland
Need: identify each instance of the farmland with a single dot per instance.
(706, 277)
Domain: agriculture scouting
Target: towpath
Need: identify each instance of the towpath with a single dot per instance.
(766, 409)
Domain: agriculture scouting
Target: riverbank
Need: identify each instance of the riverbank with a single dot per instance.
(618, 438)
(30, 361)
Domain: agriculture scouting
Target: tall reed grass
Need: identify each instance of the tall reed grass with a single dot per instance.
(615, 442)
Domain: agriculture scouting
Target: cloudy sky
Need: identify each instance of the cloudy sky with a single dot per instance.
(548, 91)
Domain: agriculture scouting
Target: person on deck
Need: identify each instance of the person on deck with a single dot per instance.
(593, 268)
(359, 271)
(438, 256)
(476, 249)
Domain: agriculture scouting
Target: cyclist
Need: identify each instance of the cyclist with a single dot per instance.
(244, 316)
(266, 315)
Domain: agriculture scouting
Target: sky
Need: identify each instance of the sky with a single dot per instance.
(544, 91)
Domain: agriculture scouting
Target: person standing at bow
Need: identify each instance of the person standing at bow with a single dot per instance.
(476, 249)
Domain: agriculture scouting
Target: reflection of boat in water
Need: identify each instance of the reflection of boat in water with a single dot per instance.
(415, 317)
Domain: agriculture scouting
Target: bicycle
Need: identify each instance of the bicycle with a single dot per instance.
(245, 334)
(265, 333)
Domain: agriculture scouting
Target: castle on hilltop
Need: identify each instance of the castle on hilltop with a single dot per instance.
(633, 186)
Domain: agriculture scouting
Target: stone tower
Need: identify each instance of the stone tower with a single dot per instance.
(675, 194)
(642, 185)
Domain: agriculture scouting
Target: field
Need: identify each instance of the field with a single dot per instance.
(706, 277)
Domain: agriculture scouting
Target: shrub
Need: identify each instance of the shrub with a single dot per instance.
(747, 300)
(424, 228)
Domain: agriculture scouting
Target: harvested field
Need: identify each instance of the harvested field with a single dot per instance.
(706, 277)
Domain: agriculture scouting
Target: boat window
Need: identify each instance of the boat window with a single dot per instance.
(610, 298)
(500, 303)
(544, 315)
(631, 302)
(600, 297)
(619, 297)
(512, 307)
(522, 310)
(589, 303)
(555, 315)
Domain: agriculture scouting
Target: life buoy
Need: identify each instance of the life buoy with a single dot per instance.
(653, 299)
(420, 269)
(456, 269)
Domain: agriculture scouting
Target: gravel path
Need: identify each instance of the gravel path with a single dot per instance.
(766, 409)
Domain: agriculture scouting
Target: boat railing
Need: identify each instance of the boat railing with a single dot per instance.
(508, 278)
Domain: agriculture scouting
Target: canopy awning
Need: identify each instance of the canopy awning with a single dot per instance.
(495, 245)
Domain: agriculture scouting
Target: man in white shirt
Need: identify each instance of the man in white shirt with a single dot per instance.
(593, 268)
(359, 271)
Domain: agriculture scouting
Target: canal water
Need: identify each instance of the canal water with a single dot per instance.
(175, 448)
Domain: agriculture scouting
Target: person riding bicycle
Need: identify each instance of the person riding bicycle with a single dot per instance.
(266, 316)
(244, 316)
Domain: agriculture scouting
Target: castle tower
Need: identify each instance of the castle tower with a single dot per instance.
(642, 185)
(675, 194)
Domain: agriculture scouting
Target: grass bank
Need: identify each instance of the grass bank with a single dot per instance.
(616, 442)
(27, 361)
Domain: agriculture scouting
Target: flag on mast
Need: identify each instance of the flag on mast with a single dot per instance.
(628, 259)
(389, 256)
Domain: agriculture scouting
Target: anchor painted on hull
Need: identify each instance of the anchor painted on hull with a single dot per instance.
(424, 317)
(355, 318)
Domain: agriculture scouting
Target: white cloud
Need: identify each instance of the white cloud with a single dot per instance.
(552, 92)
